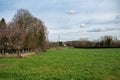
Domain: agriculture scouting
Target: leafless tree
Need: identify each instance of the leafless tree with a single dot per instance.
(106, 41)
(24, 33)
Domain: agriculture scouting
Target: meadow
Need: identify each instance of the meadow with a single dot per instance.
(65, 64)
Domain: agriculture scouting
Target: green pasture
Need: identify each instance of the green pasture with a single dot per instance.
(65, 64)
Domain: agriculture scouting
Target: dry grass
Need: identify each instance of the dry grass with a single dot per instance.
(16, 55)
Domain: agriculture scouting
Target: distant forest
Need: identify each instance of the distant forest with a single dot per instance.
(25, 33)
(106, 41)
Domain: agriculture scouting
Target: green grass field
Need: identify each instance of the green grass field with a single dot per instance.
(66, 64)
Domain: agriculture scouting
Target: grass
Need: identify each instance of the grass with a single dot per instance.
(66, 64)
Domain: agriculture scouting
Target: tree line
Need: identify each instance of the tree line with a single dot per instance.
(25, 33)
(106, 41)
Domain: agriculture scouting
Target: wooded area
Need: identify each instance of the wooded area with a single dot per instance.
(25, 33)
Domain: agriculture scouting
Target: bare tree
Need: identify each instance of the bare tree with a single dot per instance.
(106, 41)
(16, 37)
(35, 30)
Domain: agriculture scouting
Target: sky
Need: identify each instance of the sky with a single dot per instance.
(68, 20)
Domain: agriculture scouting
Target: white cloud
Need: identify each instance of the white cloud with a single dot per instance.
(72, 12)
(63, 31)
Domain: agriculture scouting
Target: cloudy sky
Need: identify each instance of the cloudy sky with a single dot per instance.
(70, 19)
